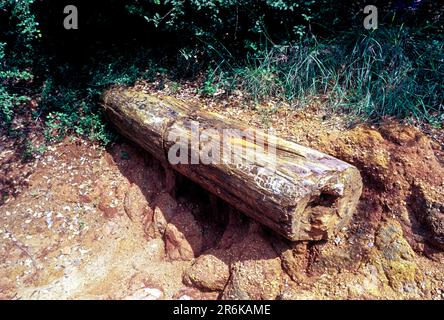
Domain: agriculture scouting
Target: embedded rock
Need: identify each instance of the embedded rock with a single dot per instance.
(208, 273)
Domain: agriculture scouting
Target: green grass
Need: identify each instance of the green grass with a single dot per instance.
(388, 72)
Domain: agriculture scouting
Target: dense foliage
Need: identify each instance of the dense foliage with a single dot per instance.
(289, 49)
(16, 60)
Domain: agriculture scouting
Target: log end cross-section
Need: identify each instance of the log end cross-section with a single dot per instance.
(301, 193)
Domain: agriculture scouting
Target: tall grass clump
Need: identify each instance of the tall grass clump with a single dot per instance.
(393, 72)
(388, 72)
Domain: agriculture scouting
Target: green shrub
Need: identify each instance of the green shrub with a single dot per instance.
(16, 56)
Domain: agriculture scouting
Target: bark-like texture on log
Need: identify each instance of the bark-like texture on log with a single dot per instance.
(306, 195)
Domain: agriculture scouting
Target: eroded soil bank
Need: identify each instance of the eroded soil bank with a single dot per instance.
(82, 222)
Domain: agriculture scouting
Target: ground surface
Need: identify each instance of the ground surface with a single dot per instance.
(82, 222)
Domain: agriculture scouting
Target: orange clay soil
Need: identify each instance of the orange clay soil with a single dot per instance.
(82, 222)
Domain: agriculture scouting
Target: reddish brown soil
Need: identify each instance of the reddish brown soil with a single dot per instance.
(82, 222)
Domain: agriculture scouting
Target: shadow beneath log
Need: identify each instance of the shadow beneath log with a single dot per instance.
(154, 180)
(222, 226)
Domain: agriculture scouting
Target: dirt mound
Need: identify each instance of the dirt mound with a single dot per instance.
(92, 223)
(402, 175)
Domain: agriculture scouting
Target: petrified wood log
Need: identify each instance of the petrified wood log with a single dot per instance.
(299, 192)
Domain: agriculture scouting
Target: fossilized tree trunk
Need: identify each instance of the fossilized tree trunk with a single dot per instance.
(299, 192)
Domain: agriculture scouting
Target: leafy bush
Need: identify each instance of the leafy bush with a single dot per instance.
(16, 56)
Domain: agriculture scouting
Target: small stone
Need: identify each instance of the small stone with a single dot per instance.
(208, 272)
(183, 237)
(135, 204)
(256, 272)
